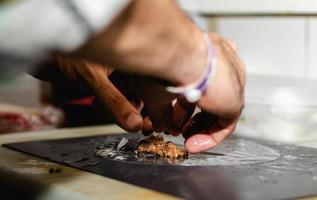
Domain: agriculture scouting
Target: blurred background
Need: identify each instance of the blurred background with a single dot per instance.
(276, 39)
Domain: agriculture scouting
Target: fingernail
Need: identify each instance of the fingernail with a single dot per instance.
(134, 122)
(147, 128)
(199, 143)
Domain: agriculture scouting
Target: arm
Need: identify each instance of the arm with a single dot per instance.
(150, 37)
(156, 39)
(145, 31)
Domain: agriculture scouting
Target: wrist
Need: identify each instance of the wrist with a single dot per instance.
(179, 57)
(160, 41)
(153, 38)
(170, 48)
(195, 89)
(190, 63)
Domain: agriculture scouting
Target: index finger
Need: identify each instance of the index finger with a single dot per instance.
(114, 102)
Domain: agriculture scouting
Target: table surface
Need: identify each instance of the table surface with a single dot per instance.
(73, 183)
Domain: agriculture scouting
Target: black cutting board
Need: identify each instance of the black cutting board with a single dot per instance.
(293, 174)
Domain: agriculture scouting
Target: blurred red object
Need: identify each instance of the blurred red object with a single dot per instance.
(15, 118)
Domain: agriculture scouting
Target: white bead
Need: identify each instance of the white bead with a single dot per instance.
(193, 96)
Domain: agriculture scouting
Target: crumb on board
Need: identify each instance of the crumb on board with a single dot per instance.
(156, 145)
(53, 170)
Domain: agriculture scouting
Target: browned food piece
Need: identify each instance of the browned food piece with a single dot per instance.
(156, 145)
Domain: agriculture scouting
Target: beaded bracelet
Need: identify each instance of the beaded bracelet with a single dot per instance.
(194, 91)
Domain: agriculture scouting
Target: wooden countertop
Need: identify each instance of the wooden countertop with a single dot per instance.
(71, 183)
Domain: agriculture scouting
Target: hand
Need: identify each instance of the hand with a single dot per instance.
(123, 107)
(165, 115)
(221, 104)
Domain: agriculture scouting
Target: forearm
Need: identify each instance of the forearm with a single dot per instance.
(153, 38)
(149, 37)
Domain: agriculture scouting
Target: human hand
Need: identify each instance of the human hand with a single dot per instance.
(222, 102)
(117, 102)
